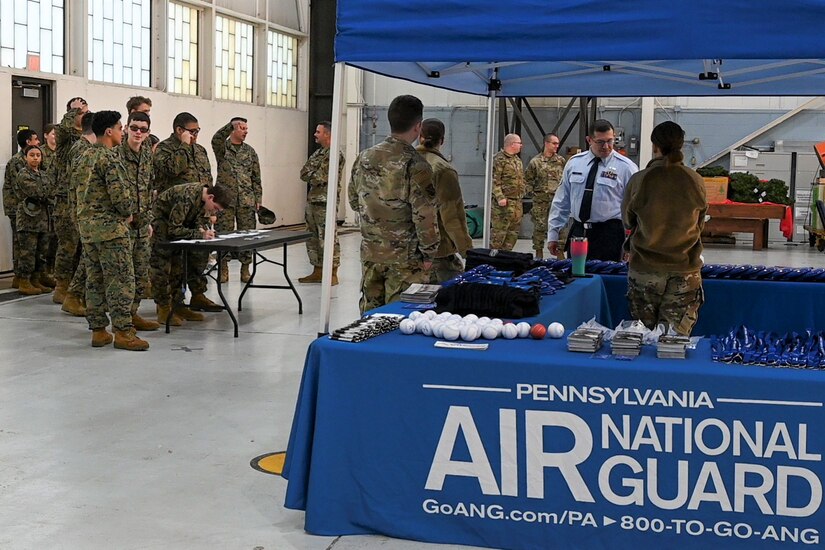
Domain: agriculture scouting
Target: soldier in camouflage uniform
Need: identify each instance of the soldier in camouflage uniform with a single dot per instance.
(543, 176)
(25, 138)
(105, 205)
(180, 159)
(508, 191)
(74, 296)
(137, 161)
(49, 148)
(33, 191)
(68, 241)
(182, 212)
(392, 191)
(452, 221)
(315, 173)
(240, 171)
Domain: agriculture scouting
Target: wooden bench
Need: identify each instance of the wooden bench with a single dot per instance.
(743, 218)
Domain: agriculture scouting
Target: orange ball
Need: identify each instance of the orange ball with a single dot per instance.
(538, 331)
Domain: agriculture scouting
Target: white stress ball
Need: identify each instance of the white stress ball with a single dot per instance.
(420, 323)
(438, 329)
(555, 330)
(430, 314)
(450, 332)
(445, 315)
(471, 317)
(469, 333)
(490, 332)
(427, 328)
(523, 329)
(415, 315)
(496, 321)
(407, 326)
(456, 317)
(509, 331)
(485, 320)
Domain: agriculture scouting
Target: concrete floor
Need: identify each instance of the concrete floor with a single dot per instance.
(101, 448)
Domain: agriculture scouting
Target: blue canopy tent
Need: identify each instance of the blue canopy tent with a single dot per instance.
(534, 48)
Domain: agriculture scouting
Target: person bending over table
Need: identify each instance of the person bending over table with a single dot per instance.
(664, 208)
(182, 212)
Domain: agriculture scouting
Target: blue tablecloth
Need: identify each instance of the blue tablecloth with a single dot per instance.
(762, 305)
(526, 445)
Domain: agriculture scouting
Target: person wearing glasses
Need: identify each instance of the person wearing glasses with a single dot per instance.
(590, 193)
(179, 158)
(543, 176)
(137, 161)
(664, 208)
(508, 191)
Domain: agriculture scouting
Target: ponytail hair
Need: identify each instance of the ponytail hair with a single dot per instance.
(669, 138)
(432, 133)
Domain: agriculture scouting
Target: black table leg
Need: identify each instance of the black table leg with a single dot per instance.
(221, 256)
(251, 279)
(292, 287)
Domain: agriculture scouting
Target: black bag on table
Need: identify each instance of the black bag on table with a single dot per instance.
(490, 300)
(502, 260)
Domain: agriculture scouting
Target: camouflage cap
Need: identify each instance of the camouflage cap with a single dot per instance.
(266, 216)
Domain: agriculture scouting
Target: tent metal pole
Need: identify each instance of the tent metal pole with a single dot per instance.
(488, 167)
(338, 130)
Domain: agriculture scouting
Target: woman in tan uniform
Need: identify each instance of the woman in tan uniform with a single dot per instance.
(664, 208)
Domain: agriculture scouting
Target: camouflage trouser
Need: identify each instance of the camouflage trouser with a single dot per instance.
(540, 213)
(506, 224)
(141, 251)
(246, 218)
(316, 223)
(166, 273)
(67, 255)
(78, 284)
(384, 283)
(446, 268)
(670, 298)
(14, 244)
(110, 283)
(32, 253)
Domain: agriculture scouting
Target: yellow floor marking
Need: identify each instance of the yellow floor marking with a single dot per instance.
(270, 463)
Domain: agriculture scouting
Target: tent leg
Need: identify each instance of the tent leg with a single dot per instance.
(488, 167)
(338, 95)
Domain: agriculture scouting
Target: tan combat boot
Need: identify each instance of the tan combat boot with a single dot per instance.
(334, 276)
(187, 314)
(15, 282)
(224, 272)
(26, 288)
(46, 279)
(199, 302)
(60, 292)
(163, 313)
(73, 305)
(144, 324)
(38, 282)
(101, 337)
(245, 276)
(539, 254)
(314, 277)
(128, 340)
